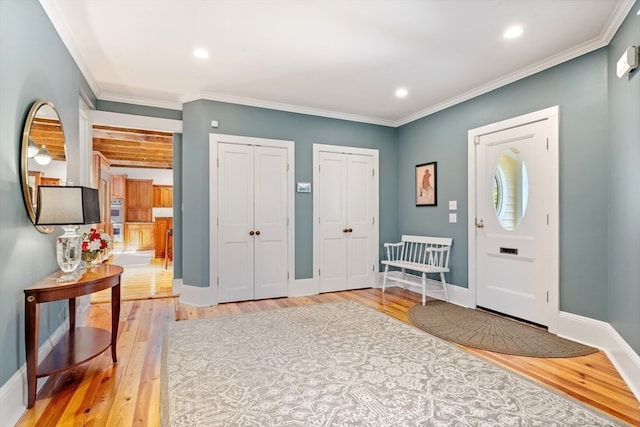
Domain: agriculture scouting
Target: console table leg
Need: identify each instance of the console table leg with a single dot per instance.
(115, 320)
(72, 314)
(31, 316)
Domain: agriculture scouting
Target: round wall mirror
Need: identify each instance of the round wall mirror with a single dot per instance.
(43, 155)
(510, 189)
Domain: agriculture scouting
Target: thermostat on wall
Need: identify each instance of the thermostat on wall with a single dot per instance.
(304, 187)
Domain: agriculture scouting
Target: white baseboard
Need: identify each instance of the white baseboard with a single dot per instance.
(603, 336)
(176, 286)
(13, 394)
(198, 296)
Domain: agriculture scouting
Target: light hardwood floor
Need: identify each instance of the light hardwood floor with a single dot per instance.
(99, 393)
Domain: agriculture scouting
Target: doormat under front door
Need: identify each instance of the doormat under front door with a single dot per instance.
(479, 329)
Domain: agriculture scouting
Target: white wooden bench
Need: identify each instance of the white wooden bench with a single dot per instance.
(421, 254)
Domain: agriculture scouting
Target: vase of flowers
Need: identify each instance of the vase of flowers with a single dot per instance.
(94, 244)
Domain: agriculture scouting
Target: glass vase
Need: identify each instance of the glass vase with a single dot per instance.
(68, 249)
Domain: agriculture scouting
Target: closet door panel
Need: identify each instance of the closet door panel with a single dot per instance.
(235, 222)
(360, 221)
(332, 222)
(270, 217)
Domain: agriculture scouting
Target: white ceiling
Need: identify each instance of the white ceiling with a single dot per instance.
(335, 58)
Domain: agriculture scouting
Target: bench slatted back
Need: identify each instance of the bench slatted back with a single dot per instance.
(419, 250)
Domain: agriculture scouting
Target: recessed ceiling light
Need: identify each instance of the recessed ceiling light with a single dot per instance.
(513, 32)
(200, 53)
(402, 92)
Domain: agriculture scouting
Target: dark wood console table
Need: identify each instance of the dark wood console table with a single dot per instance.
(79, 344)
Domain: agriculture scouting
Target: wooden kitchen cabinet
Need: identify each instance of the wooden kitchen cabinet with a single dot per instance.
(162, 225)
(162, 196)
(138, 236)
(49, 181)
(118, 186)
(139, 200)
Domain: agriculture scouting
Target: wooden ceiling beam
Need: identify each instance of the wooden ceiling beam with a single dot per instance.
(141, 164)
(131, 145)
(132, 137)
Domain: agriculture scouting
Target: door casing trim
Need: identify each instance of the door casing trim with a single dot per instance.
(553, 193)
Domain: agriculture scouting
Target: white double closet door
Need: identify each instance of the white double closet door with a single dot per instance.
(345, 212)
(252, 222)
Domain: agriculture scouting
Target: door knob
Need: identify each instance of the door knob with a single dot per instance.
(345, 230)
(251, 233)
(480, 223)
(257, 232)
(349, 230)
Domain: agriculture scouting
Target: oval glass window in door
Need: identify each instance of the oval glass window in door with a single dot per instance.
(510, 189)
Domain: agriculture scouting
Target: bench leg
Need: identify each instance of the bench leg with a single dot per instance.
(444, 286)
(424, 288)
(404, 277)
(384, 278)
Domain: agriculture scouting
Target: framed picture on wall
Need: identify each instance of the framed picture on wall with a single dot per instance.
(426, 184)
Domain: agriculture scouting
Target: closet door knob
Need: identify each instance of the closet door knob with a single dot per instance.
(251, 233)
(258, 233)
(349, 230)
(345, 230)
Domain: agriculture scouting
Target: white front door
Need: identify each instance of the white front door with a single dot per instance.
(512, 225)
(252, 222)
(345, 207)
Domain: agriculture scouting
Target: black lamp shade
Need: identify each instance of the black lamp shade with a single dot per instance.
(67, 205)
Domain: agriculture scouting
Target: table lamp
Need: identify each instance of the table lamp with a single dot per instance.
(68, 207)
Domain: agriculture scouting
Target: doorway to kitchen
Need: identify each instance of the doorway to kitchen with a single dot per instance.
(138, 158)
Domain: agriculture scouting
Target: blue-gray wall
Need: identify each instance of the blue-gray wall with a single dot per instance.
(305, 130)
(34, 64)
(623, 280)
(579, 87)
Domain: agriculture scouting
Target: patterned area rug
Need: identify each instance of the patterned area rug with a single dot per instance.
(342, 364)
(480, 329)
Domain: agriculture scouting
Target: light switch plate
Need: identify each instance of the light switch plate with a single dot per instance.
(453, 205)
(453, 217)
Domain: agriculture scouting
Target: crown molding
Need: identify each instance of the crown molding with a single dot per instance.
(617, 17)
(231, 99)
(149, 102)
(60, 25)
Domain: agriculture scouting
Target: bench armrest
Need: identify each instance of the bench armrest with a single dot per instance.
(386, 245)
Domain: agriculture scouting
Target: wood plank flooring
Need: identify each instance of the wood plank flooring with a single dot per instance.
(142, 282)
(99, 393)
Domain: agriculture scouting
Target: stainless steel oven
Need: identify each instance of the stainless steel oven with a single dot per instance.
(117, 211)
(117, 219)
(117, 232)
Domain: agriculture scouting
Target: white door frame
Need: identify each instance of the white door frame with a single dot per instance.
(317, 148)
(553, 193)
(214, 138)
